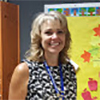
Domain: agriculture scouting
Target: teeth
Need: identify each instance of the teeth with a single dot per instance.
(54, 44)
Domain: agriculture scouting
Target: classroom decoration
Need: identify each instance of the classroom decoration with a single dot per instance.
(92, 84)
(87, 95)
(86, 56)
(97, 30)
(84, 26)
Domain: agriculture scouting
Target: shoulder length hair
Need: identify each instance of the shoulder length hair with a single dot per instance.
(36, 53)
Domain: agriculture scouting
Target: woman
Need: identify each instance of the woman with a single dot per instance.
(46, 74)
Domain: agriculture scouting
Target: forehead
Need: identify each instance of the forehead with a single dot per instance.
(51, 24)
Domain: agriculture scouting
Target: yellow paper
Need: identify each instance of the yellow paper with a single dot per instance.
(81, 29)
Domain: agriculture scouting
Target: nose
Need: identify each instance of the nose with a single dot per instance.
(54, 36)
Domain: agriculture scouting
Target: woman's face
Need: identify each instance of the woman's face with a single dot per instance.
(52, 37)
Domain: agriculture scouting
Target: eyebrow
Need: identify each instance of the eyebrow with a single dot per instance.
(52, 29)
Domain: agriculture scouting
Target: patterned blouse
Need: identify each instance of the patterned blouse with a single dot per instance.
(40, 86)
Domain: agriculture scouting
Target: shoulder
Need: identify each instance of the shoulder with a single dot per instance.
(21, 69)
(19, 81)
(70, 67)
(31, 64)
(20, 74)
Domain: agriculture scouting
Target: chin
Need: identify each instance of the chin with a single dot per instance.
(54, 51)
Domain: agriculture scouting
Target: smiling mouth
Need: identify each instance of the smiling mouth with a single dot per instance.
(54, 44)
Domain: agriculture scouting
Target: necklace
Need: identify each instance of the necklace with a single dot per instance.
(60, 96)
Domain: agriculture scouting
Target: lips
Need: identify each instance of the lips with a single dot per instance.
(54, 44)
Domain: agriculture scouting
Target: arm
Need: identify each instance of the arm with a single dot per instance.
(19, 81)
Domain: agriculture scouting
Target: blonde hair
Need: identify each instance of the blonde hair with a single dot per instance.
(35, 53)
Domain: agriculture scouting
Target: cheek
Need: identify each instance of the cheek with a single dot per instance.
(64, 38)
(43, 41)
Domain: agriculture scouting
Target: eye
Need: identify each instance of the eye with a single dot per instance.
(60, 32)
(48, 32)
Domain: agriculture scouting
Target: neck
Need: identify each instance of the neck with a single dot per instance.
(52, 60)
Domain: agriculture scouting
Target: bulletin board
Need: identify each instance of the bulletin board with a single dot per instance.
(84, 26)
